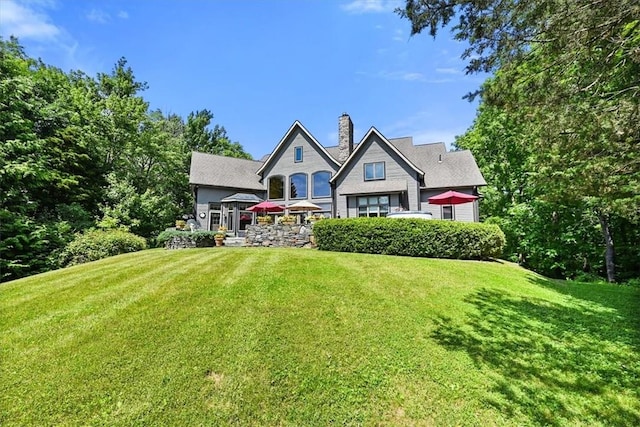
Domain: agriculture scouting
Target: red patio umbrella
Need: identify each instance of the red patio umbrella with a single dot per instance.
(265, 207)
(452, 198)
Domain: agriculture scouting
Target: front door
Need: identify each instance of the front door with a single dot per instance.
(246, 218)
(214, 220)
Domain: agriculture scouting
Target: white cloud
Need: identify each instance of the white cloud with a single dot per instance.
(31, 23)
(398, 36)
(412, 77)
(98, 15)
(102, 17)
(402, 75)
(407, 76)
(370, 6)
(448, 71)
(26, 23)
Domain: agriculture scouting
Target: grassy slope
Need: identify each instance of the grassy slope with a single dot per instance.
(301, 337)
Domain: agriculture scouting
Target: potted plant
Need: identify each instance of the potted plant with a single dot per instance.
(287, 219)
(314, 217)
(221, 233)
(266, 219)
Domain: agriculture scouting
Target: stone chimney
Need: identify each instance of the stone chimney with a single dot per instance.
(345, 137)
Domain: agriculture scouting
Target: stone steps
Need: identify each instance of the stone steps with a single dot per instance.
(234, 241)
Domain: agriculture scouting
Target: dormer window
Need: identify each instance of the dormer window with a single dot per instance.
(297, 154)
(374, 171)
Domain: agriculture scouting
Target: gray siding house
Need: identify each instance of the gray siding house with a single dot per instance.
(372, 178)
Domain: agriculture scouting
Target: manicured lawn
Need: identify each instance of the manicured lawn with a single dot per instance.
(302, 337)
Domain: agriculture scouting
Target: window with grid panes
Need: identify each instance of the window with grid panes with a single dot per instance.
(370, 206)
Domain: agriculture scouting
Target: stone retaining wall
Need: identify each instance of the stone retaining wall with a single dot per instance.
(185, 242)
(280, 235)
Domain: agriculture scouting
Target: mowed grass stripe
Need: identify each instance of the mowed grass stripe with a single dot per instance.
(255, 336)
(96, 284)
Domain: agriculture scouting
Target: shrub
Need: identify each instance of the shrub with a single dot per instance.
(410, 237)
(633, 282)
(200, 238)
(97, 244)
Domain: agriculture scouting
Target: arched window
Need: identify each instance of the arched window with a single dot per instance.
(276, 187)
(298, 186)
(320, 186)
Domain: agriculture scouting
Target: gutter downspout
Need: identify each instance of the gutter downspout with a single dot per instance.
(334, 201)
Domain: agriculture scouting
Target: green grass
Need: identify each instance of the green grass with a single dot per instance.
(302, 337)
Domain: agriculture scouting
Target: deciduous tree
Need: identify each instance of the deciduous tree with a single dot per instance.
(570, 70)
(77, 151)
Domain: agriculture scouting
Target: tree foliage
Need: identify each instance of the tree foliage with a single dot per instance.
(200, 137)
(77, 152)
(567, 76)
(501, 32)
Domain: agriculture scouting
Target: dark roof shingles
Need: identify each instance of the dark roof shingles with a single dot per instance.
(454, 169)
(221, 171)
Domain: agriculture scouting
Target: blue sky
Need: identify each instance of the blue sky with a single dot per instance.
(261, 65)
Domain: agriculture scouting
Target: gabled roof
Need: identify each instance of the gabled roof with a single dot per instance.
(404, 144)
(292, 129)
(333, 151)
(453, 169)
(221, 171)
(359, 147)
(441, 169)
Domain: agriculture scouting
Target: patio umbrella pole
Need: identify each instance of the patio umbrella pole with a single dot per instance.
(452, 198)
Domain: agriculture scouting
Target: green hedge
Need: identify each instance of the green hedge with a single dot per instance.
(201, 238)
(97, 244)
(410, 237)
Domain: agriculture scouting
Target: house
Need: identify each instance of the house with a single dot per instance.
(376, 176)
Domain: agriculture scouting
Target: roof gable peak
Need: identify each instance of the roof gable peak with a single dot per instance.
(296, 125)
(361, 147)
